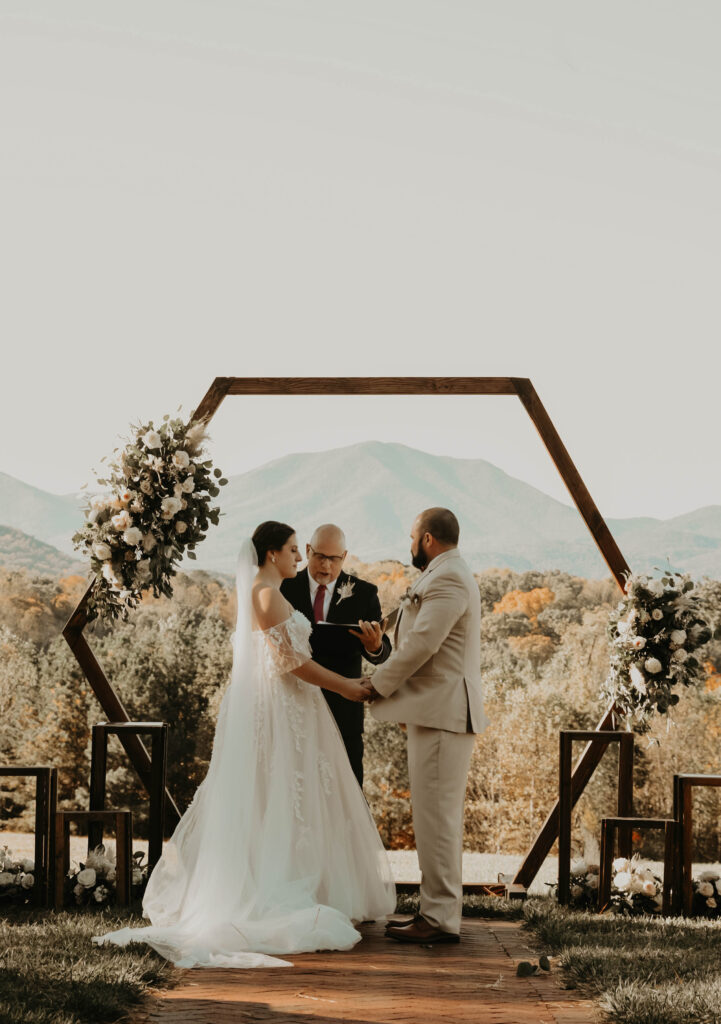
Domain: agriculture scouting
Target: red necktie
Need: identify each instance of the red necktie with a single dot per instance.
(318, 603)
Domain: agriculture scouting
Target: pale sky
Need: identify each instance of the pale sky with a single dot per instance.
(192, 188)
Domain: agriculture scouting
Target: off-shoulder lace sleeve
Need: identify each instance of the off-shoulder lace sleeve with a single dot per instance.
(288, 643)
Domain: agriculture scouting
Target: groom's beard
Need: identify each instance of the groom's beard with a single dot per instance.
(420, 559)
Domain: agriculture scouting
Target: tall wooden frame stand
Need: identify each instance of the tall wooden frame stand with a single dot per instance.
(519, 387)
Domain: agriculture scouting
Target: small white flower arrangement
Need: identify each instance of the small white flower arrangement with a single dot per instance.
(410, 599)
(345, 590)
(155, 508)
(17, 878)
(707, 894)
(583, 887)
(93, 881)
(655, 633)
(634, 888)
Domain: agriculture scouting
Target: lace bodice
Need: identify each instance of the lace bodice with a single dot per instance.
(286, 646)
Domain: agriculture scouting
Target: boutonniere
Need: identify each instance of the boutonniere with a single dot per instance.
(345, 590)
(411, 600)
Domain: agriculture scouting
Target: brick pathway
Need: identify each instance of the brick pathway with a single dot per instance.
(380, 982)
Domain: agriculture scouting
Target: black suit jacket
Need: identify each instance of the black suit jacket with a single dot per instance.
(337, 649)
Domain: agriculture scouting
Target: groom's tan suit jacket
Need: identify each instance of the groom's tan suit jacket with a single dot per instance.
(433, 678)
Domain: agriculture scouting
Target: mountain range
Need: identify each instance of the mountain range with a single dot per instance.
(375, 489)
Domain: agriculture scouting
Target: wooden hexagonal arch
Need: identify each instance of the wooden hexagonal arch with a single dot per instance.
(523, 389)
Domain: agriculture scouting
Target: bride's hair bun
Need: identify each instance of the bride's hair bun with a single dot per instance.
(270, 536)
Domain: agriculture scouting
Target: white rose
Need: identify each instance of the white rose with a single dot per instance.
(680, 655)
(657, 614)
(151, 440)
(102, 551)
(592, 881)
(6, 878)
(133, 536)
(181, 459)
(27, 881)
(623, 628)
(27, 865)
(87, 878)
(126, 496)
(653, 665)
(189, 485)
(709, 876)
(622, 881)
(711, 902)
(706, 889)
(100, 893)
(170, 507)
(99, 501)
(649, 888)
(578, 866)
(180, 526)
(621, 864)
(638, 643)
(655, 587)
(678, 637)
(146, 487)
(121, 521)
(149, 542)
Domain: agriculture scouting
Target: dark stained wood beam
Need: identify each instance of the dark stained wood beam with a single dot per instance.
(110, 702)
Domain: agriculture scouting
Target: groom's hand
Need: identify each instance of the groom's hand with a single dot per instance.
(370, 635)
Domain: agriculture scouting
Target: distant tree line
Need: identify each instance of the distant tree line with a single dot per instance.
(544, 657)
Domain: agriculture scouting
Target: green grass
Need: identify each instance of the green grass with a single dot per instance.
(50, 973)
(643, 970)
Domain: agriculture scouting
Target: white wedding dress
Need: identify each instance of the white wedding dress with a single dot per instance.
(278, 852)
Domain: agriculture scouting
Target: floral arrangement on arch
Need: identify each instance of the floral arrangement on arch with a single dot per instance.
(17, 878)
(635, 889)
(93, 881)
(156, 507)
(655, 632)
(707, 894)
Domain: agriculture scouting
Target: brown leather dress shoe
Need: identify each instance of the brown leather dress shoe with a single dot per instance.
(420, 931)
(403, 921)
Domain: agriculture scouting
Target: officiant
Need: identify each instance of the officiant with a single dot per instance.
(324, 593)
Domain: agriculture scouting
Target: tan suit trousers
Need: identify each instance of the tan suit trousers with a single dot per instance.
(438, 763)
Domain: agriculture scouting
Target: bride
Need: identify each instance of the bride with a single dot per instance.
(278, 852)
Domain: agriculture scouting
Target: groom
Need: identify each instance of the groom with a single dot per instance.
(432, 682)
(323, 592)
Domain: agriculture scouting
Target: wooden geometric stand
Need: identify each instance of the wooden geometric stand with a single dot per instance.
(122, 822)
(158, 770)
(517, 387)
(566, 801)
(46, 799)
(611, 826)
(683, 787)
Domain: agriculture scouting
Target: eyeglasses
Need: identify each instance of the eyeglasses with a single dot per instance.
(333, 559)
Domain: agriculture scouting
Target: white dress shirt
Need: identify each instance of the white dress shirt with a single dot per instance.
(330, 588)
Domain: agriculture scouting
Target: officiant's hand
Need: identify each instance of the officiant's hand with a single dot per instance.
(370, 635)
